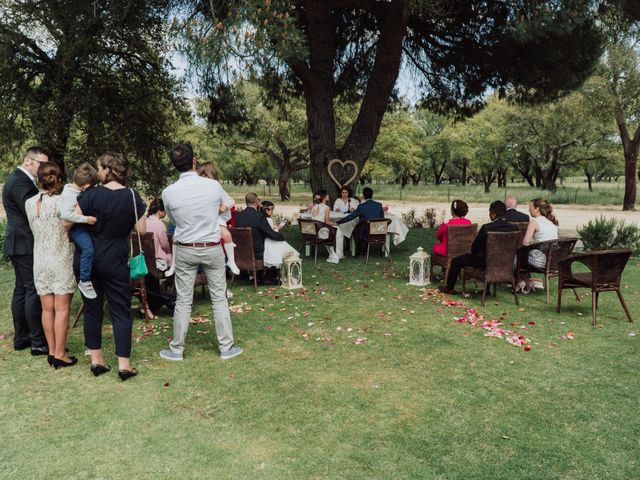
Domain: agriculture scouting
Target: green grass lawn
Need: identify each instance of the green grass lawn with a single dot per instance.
(423, 397)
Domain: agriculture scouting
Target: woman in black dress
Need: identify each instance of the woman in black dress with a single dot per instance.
(112, 205)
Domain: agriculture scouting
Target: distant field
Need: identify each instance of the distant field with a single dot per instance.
(573, 191)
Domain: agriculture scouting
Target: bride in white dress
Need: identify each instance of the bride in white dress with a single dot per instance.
(274, 251)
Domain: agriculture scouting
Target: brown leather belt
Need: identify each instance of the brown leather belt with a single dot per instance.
(199, 244)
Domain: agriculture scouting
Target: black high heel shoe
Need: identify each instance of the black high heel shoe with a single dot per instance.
(98, 369)
(127, 374)
(59, 363)
(50, 359)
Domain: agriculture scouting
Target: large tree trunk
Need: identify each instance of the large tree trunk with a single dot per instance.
(630, 165)
(630, 148)
(317, 80)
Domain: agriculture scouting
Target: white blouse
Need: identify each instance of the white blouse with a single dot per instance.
(546, 230)
(343, 207)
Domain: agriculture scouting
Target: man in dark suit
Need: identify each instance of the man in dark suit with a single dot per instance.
(476, 258)
(367, 210)
(252, 217)
(18, 246)
(513, 215)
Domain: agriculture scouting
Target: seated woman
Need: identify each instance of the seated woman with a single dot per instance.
(459, 210)
(542, 227)
(274, 251)
(321, 212)
(157, 295)
(346, 203)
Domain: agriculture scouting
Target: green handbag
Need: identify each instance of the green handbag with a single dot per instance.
(137, 265)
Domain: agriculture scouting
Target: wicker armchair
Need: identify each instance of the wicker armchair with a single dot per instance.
(554, 250)
(244, 255)
(522, 229)
(606, 269)
(501, 249)
(373, 232)
(309, 230)
(459, 240)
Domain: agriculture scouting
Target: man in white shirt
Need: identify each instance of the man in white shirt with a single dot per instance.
(192, 204)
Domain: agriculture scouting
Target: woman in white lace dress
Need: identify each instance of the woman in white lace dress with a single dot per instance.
(274, 251)
(321, 212)
(52, 262)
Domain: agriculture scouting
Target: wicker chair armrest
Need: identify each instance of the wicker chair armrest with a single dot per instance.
(564, 266)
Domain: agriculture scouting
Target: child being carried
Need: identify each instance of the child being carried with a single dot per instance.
(84, 177)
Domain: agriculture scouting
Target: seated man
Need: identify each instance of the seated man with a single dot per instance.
(252, 217)
(476, 259)
(513, 215)
(369, 209)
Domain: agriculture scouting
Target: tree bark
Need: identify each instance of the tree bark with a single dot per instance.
(317, 80)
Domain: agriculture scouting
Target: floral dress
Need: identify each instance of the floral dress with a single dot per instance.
(52, 250)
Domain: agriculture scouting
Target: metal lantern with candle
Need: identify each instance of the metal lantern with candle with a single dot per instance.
(419, 266)
(291, 271)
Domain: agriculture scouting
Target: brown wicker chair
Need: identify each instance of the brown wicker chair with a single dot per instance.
(522, 228)
(554, 250)
(309, 234)
(606, 269)
(459, 240)
(501, 249)
(373, 232)
(245, 259)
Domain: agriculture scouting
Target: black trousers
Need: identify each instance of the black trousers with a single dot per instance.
(110, 278)
(26, 308)
(157, 295)
(459, 263)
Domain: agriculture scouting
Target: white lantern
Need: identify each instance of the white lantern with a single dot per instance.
(291, 271)
(419, 266)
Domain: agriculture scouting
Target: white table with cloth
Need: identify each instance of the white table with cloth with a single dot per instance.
(397, 229)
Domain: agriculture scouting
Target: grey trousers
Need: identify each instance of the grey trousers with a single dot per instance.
(211, 259)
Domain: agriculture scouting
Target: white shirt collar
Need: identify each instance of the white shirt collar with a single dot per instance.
(33, 179)
(188, 174)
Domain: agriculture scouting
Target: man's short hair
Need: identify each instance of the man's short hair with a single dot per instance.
(367, 193)
(498, 208)
(35, 150)
(182, 157)
(85, 174)
(251, 198)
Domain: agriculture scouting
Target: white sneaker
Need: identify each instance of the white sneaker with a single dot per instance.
(333, 259)
(170, 271)
(86, 289)
(234, 268)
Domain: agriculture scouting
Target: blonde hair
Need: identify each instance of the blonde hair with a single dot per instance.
(208, 170)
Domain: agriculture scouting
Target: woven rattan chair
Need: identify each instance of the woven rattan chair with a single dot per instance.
(373, 232)
(522, 229)
(606, 269)
(309, 233)
(244, 255)
(501, 249)
(459, 240)
(554, 250)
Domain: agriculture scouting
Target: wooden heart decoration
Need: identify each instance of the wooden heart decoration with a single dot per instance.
(340, 168)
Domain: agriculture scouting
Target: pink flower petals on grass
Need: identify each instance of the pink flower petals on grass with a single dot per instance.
(493, 328)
